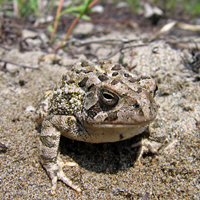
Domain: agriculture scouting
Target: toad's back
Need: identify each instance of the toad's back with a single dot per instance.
(107, 102)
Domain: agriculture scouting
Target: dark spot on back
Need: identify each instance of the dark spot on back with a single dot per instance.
(83, 82)
(84, 64)
(100, 62)
(88, 71)
(132, 80)
(138, 79)
(64, 81)
(78, 71)
(64, 78)
(70, 81)
(103, 77)
(114, 73)
(90, 87)
(112, 116)
(145, 77)
(116, 67)
(139, 90)
(127, 75)
(115, 81)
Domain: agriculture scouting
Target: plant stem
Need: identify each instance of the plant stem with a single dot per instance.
(92, 3)
(56, 20)
(76, 20)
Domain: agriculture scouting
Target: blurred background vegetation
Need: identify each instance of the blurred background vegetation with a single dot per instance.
(39, 8)
(47, 11)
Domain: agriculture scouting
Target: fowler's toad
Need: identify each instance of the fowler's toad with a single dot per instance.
(94, 102)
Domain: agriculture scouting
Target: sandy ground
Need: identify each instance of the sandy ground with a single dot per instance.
(104, 171)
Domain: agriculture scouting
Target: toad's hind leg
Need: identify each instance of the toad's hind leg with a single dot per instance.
(49, 143)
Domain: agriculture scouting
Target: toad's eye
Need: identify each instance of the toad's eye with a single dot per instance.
(108, 98)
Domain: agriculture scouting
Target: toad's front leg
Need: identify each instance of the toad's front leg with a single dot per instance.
(146, 145)
(49, 143)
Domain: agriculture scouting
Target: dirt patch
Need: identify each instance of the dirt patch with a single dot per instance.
(106, 171)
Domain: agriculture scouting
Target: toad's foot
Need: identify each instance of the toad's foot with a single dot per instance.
(146, 146)
(56, 173)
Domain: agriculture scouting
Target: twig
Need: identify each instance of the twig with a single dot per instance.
(20, 65)
(183, 45)
(166, 28)
(114, 53)
(24, 46)
(121, 43)
(79, 43)
(135, 45)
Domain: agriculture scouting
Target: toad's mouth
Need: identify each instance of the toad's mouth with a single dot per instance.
(115, 125)
(119, 125)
